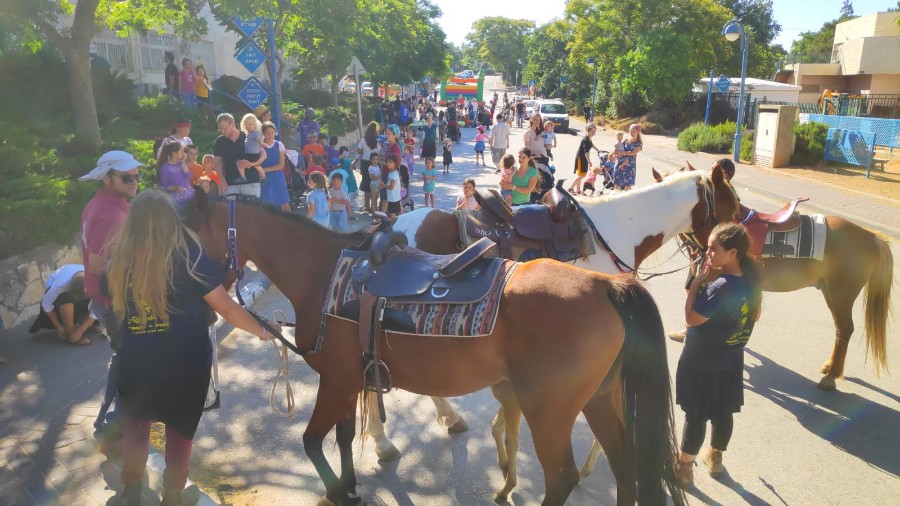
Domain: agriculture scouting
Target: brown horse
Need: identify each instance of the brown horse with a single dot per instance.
(609, 363)
(855, 258)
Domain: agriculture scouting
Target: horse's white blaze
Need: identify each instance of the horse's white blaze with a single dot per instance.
(625, 219)
(410, 222)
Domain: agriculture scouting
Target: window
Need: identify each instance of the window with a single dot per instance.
(202, 52)
(553, 109)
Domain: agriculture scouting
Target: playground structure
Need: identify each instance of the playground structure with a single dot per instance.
(467, 88)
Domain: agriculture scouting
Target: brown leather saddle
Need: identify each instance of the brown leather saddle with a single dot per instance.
(760, 224)
(392, 272)
(546, 230)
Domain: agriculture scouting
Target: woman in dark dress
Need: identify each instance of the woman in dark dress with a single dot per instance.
(722, 306)
(583, 158)
(162, 286)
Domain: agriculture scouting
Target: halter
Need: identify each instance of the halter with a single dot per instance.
(231, 260)
(696, 250)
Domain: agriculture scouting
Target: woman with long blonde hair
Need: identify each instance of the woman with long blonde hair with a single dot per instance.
(162, 285)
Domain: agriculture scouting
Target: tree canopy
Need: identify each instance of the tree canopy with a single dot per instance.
(501, 42)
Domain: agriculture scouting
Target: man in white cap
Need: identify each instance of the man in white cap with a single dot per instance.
(101, 219)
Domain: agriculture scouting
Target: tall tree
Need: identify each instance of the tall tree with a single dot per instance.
(501, 42)
(847, 9)
(762, 29)
(820, 43)
(47, 21)
(547, 57)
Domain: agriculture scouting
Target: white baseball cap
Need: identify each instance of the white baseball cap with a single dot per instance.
(118, 161)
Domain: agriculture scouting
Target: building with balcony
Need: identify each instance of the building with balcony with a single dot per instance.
(865, 60)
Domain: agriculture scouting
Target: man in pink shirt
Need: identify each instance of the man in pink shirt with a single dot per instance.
(102, 217)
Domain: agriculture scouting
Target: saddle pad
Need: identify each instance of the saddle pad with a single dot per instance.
(807, 241)
(442, 320)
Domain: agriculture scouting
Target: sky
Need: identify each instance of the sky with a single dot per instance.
(795, 16)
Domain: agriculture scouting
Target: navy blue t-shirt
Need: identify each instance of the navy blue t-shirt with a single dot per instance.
(715, 344)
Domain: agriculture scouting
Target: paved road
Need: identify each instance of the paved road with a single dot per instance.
(793, 444)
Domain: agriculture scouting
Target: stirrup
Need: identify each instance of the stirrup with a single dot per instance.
(377, 377)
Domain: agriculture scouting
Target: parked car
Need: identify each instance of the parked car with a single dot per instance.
(466, 74)
(529, 106)
(366, 88)
(555, 111)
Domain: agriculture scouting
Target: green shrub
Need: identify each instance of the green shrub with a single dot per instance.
(710, 139)
(809, 147)
(747, 146)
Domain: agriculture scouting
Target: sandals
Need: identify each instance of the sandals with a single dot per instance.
(84, 341)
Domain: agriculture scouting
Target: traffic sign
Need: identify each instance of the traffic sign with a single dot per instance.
(355, 67)
(247, 26)
(251, 57)
(722, 83)
(425, 80)
(563, 78)
(253, 94)
(531, 83)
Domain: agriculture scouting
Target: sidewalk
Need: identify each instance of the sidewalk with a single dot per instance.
(50, 394)
(874, 212)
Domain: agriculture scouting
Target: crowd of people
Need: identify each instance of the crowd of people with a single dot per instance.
(147, 281)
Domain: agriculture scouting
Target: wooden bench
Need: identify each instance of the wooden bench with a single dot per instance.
(879, 162)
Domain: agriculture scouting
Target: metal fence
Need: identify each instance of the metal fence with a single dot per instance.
(887, 131)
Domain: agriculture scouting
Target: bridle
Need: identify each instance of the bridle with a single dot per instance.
(231, 261)
(688, 242)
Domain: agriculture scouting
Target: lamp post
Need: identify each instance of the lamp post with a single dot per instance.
(593, 60)
(732, 31)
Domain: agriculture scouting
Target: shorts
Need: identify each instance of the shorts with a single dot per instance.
(394, 207)
(506, 193)
(497, 155)
(374, 186)
(588, 186)
(383, 194)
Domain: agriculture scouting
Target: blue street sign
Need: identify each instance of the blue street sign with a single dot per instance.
(251, 57)
(531, 83)
(563, 79)
(247, 26)
(253, 94)
(722, 83)
(425, 80)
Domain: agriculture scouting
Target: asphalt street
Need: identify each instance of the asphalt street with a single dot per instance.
(792, 444)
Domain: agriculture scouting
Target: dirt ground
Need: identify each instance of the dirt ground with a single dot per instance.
(884, 184)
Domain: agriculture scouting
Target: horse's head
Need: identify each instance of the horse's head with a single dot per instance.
(207, 216)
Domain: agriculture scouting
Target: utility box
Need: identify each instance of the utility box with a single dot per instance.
(774, 140)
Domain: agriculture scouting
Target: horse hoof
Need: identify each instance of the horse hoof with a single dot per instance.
(827, 384)
(500, 498)
(458, 427)
(388, 454)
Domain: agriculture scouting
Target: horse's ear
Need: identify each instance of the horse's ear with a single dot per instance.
(656, 175)
(689, 166)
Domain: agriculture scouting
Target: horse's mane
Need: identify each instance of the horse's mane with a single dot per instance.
(675, 178)
(198, 209)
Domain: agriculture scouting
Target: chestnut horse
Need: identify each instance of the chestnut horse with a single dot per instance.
(608, 363)
(855, 258)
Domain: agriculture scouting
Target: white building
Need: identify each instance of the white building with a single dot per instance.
(758, 89)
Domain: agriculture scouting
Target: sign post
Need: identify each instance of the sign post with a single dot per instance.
(355, 69)
(709, 89)
(253, 94)
(273, 77)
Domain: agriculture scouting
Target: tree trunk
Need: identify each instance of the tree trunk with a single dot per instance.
(81, 92)
(335, 83)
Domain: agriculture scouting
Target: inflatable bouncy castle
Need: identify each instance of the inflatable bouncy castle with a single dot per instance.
(455, 87)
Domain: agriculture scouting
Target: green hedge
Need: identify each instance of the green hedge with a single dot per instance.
(809, 147)
(706, 138)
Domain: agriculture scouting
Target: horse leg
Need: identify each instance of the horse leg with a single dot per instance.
(384, 448)
(328, 412)
(448, 417)
(606, 417)
(551, 420)
(840, 302)
(345, 432)
(590, 462)
(507, 422)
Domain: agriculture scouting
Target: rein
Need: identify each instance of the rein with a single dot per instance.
(231, 259)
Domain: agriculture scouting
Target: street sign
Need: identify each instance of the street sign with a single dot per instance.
(253, 94)
(722, 83)
(531, 83)
(355, 67)
(425, 80)
(247, 26)
(251, 57)
(563, 79)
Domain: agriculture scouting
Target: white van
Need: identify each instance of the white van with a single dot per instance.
(555, 111)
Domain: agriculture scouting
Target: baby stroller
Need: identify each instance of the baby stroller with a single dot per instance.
(606, 166)
(297, 187)
(453, 131)
(406, 199)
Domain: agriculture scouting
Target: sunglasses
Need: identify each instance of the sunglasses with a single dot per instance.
(128, 178)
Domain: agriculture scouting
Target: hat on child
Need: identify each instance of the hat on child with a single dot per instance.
(118, 161)
(335, 161)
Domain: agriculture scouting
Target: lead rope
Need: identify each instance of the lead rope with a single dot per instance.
(283, 372)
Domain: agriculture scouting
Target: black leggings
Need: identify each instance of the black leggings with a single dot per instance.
(695, 433)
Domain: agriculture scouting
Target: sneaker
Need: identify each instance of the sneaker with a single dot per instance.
(713, 460)
(684, 472)
(678, 336)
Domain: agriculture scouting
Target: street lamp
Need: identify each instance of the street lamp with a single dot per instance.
(593, 60)
(732, 31)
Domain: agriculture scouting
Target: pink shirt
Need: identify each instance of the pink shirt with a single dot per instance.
(102, 217)
(467, 203)
(186, 82)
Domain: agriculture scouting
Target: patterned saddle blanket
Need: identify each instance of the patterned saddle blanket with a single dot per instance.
(806, 241)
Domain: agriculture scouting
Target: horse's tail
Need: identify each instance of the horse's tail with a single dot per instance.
(649, 422)
(878, 305)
